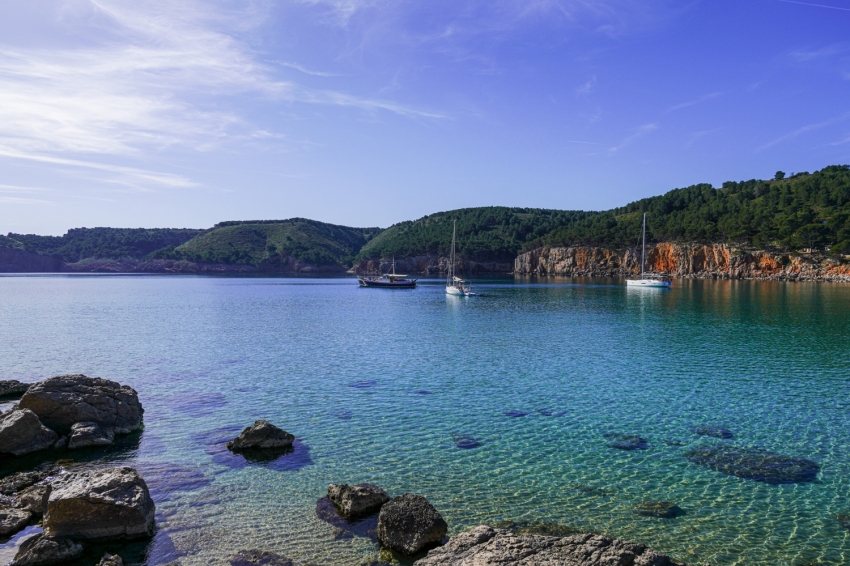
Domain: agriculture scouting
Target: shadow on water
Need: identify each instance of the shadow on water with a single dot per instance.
(198, 404)
(284, 459)
(345, 529)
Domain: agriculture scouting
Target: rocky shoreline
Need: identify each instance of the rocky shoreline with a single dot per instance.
(88, 508)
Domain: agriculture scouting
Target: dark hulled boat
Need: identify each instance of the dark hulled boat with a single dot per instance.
(388, 281)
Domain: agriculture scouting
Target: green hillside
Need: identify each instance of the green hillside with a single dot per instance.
(271, 242)
(806, 210)
(103, 243)
(493, 233)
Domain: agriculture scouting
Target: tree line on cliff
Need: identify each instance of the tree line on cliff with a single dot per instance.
(802, 211)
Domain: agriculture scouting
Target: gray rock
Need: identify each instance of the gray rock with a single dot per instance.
(16, 482)
(89, 434)
(13, 388)
(101, 503)
(34, 499)
(13, 520)
(261, 435)
(111, 560)
(62, 401)
(259, 558)
(354, 501)
(485, 546)
(21, 432)
(43, 550)
(409, 524)
(61, 443)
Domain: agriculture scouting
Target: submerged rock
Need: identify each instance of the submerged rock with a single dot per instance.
(626, 442)
(543, 529)
(44, 550)
(259, 558)
(659, 509)
(515, 414)
(465, 441)
(754, 464)
(355, 501)
(409, 524)
(345, 528)
(111, 560)
(21, 432)
(13, 388)
(62, 401)
(13, 520)
(363, 384)
(261, 435)
(484, 545)
(103, 503)
(89, 434)
(714, 431)
(844, 520)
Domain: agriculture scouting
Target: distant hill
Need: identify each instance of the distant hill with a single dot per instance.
(492, 233)
(102, 243)
(805, 210)
(272, 243)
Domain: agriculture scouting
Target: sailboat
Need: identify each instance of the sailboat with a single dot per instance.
(454, 284)
(647, 280)
(388, 280)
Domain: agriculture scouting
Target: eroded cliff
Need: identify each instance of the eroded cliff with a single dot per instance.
(716, 261)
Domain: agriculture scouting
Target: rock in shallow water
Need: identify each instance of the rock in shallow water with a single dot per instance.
(44, 550)
(465, 441)
(13, 520)
(487, 546)
(21, 432)
(754, 464)
(355, 501)
(714, 432)
(261, 435)
(111, 560)
(62, 401)
(626, 442)
(259, 558)
(89, 434)
(659, 509)
(104, 503)
(409, 524)
(13, 388)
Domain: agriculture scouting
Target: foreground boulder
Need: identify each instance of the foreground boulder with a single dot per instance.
(13, 388)
(355, 501)
(104, 503)
(484, 546)
(44, 550)
(408, 524)
(89, 434)
(261, 435)
(21, 432)
(62, 401)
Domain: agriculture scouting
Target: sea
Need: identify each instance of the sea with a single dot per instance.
(557, 404)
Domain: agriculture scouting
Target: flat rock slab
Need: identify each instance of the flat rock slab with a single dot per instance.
(21, 432)
(355, 501)
(100, 503)
(43, 550)
(62, 401)
(485, 546)
(13, 388)
(409, 524)
(262, 435)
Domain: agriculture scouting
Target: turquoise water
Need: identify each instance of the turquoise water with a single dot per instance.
(346, 370)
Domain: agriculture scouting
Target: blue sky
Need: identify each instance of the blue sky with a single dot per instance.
(369, 112)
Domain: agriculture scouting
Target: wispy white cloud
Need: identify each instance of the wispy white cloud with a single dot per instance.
(305, 70)
(587, 87)
(632, 138)
(696, 136)
(804, 129)
(804, 55)
(815, 5)
(694, 102)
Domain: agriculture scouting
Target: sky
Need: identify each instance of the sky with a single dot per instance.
(181, 113)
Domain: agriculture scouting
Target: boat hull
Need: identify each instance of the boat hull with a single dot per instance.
(649, 283)
(454, 291)
(388, 284)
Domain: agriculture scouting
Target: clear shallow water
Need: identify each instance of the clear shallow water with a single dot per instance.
(769, 361)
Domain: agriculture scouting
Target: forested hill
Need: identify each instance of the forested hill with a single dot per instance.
(100, 243)
(492, 233)
(805, 210)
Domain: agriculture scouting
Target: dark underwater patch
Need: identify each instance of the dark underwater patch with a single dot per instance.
(626, 441)
(515, 414)
(465, 441)
(363, 384)
(198, 404)
(343, 415)
(714, 432)
(366, 527)
(754, 464)
(658, 509)
(423, 392)
(165, 479)
(545, 412)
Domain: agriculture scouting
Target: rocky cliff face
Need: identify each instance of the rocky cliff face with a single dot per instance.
(716, 261)
(428, 264)
(18, 261)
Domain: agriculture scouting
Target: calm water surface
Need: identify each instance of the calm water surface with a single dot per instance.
(377, 385)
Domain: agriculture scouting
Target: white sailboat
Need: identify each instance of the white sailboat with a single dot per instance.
(651, 280)
(454, 284)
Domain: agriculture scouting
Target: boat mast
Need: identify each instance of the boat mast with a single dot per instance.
(643, 253)
(450, 278)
